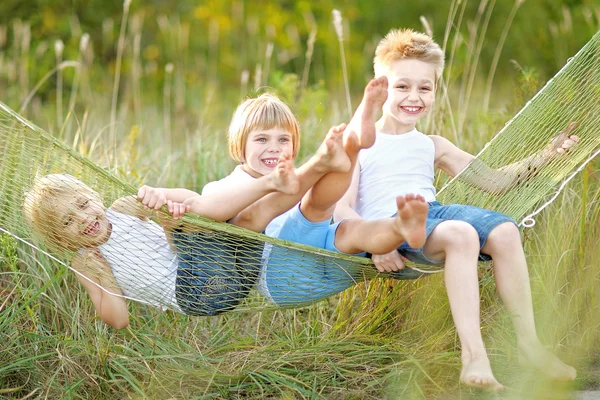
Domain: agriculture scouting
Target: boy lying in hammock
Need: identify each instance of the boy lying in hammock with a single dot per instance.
(402, 161)
(122, 251)
(264, 128)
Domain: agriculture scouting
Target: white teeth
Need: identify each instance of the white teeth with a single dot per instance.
(412, 109)
(270, 161)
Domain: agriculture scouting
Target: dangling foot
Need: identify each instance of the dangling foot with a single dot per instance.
(284, 178)
(361, 130)
(535, 355)
(410, 221)
(331, 154)
(477, 373)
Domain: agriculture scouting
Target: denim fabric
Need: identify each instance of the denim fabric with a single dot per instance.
(484, 221)
(293, 277)
(215, 271)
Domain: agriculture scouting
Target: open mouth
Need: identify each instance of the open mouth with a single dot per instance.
(411, 109)
(93, 228)
(270, 162)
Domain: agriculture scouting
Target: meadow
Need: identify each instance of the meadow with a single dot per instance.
(149, 94)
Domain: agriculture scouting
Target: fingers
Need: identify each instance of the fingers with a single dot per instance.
(567, 144)
(177, 210)
(151, 197)
(388, 262)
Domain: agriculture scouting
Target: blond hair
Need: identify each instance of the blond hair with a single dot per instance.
(264, 112)
(39, 207)
(402, 44)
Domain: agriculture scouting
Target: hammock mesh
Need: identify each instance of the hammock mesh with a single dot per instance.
(299, 275)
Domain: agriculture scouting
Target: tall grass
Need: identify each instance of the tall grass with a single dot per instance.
(380, 339)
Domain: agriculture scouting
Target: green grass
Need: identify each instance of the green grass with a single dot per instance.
(378, 340)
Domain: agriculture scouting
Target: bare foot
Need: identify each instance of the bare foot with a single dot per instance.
(538, 357)
(410, 221)
(284, 178)
(331, 154)
(477, 373)
(361, 130)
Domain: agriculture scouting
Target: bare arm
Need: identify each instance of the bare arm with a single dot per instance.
(111, 309)
(453, 160)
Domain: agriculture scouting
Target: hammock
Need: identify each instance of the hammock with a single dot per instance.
(307, 274)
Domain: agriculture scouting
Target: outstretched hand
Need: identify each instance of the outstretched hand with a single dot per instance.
(563, 142)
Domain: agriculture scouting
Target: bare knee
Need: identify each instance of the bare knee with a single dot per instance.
(505, 236)
(452, 236)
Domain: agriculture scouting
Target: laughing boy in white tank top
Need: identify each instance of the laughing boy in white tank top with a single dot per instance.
(402, 161)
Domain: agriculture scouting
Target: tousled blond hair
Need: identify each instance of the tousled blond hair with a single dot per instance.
(402, 44)
(264, 112)
(39, 207)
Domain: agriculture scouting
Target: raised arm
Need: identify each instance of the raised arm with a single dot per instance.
(453, 160)
(111, 309)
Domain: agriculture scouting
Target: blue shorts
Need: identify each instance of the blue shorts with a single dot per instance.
(295, 277)
(215, 271)
(484, 221)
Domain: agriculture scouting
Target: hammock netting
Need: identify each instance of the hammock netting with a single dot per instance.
(213, 267)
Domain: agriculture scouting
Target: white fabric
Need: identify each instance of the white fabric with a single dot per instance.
(141, 259)
(395, 165)
(239, 175)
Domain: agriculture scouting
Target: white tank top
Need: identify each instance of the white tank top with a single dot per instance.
(141, 260)
(395, 165)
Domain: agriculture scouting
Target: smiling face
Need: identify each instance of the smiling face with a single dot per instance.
(411, 95)
(79, 220)
(263, 150)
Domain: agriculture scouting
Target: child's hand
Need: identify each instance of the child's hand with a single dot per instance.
(390, 262)
(152, 197)
(177, 210)
(563, 142)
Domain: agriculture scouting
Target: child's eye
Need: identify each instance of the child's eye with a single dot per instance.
(426, 89)
(261, 140)
(401, 87)
(284, 140)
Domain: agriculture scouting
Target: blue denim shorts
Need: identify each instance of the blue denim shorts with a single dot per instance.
(215, 271)
(294, 277)
(484, 221)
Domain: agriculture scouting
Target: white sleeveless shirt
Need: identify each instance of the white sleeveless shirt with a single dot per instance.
(395, 165)
(141, 260)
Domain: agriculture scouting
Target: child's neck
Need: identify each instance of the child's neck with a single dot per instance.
(392, 127)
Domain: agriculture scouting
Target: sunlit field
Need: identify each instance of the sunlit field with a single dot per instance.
(149, 96)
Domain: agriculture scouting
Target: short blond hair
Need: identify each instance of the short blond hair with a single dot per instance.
(264, 112)
(402, 44)
(39, 206)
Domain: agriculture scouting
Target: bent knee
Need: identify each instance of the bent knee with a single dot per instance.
(504, 235)
(456, 234)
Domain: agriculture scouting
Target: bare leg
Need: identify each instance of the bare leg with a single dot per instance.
(384, 235)
(329, 157)
(457, 243)
(512, 282)
(319, 202)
